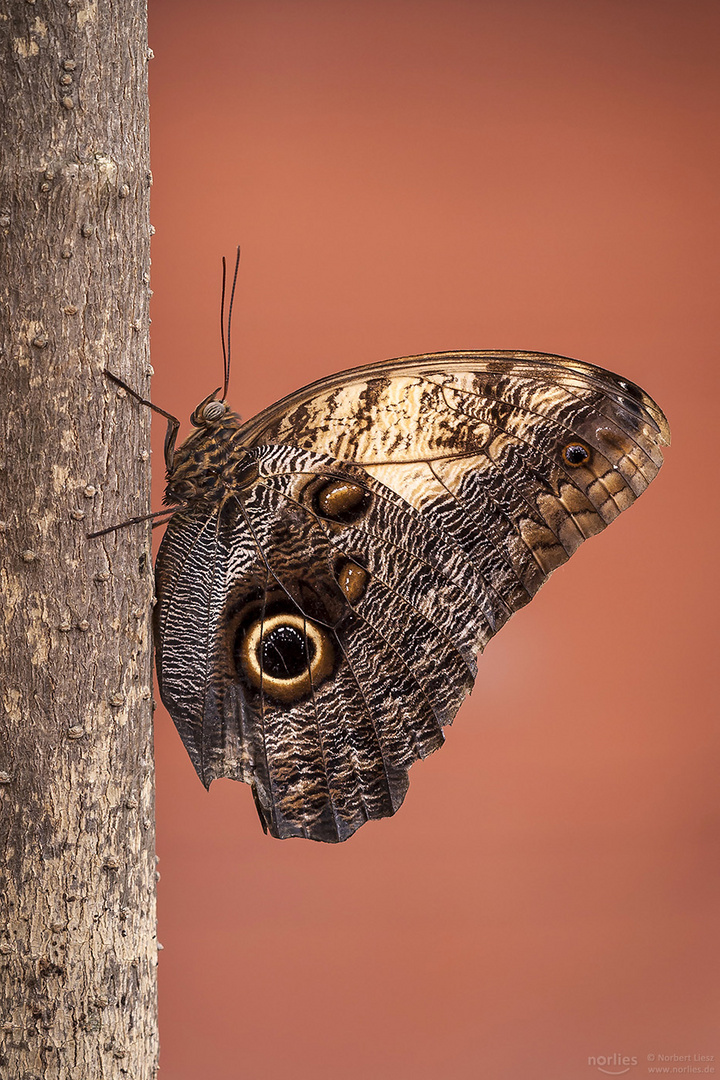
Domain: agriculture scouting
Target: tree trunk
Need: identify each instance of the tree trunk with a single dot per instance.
(78, 951)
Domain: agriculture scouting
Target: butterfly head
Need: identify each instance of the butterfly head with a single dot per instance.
(210, 411)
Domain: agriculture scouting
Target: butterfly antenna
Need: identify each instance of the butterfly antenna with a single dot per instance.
(222, 328)
(229, 319)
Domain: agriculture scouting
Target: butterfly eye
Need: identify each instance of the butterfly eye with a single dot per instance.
(285, 655)
(213, 411)
(576, 453)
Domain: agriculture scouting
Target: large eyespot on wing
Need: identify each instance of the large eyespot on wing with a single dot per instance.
(284, 655)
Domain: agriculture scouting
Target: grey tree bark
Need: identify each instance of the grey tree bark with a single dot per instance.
(78, 951)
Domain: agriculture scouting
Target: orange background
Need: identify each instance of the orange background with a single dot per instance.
(408, 176)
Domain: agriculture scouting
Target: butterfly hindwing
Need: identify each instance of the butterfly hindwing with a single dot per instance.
(331, 750)
(319, 611)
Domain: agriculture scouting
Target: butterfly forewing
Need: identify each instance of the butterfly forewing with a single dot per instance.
(322, 597)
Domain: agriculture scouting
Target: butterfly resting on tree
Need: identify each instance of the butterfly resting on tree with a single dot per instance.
(332, 566)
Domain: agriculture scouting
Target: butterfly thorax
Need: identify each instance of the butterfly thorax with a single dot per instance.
(209, 464)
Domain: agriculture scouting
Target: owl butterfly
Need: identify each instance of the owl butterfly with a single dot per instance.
(335, 563)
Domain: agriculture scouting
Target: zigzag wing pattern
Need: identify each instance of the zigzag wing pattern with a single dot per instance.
(333, 751)
(322, 602)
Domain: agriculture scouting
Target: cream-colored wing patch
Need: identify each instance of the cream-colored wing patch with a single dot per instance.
(405, 418)
(414, 481)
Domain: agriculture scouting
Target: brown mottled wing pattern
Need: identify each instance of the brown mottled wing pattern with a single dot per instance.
(317, 628)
